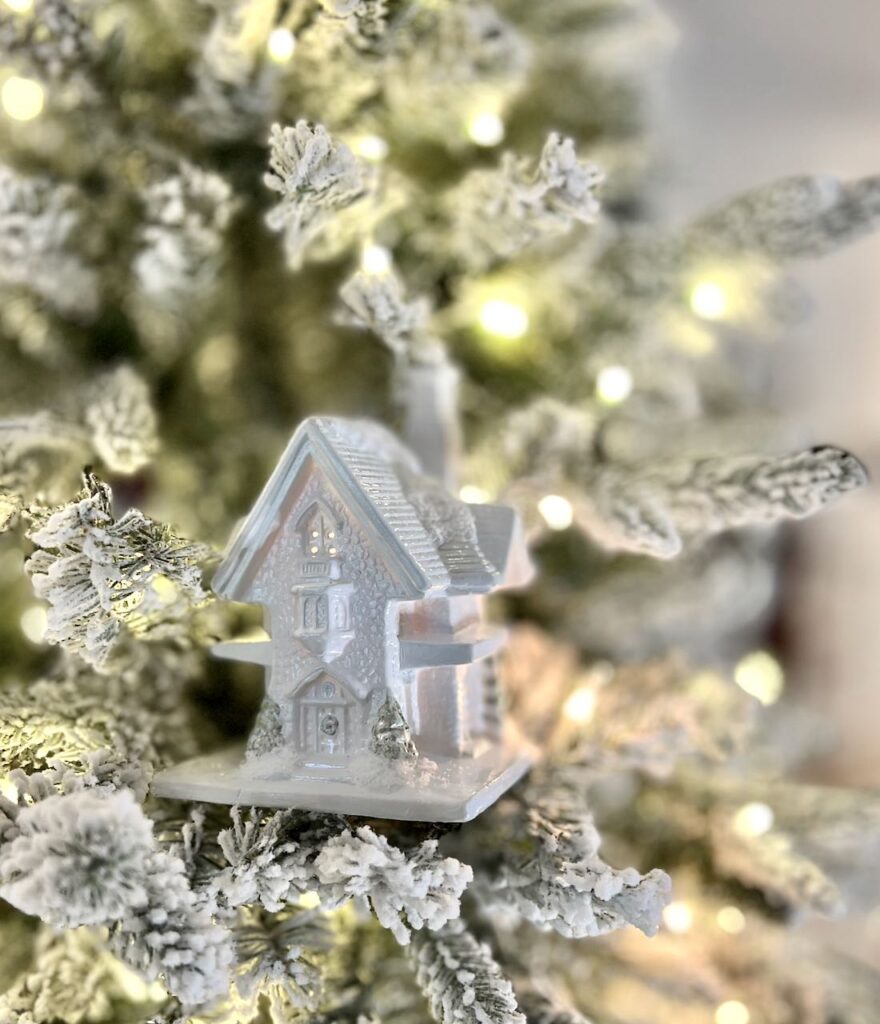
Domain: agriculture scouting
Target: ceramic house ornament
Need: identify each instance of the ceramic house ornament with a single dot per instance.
(381, 694)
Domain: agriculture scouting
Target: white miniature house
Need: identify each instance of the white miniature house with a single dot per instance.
(381, 695)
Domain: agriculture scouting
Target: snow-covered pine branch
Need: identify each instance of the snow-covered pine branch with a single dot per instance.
(407, 891)
(88, 857)
(496, 214)
(182, 237)
(551, 872)
(54, 41)
(653, 511)
(98, 572)
(274, 861)
(120, 417)
(275, 961)
(377, 303)
(39, 220)
(317, 178)
(802, 216)
(461, 981)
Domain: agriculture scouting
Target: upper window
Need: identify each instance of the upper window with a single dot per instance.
(319, 533)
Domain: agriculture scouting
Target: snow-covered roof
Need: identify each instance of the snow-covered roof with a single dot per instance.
(437, 542)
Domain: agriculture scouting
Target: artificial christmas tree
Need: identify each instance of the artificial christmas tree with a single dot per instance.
(471, 185)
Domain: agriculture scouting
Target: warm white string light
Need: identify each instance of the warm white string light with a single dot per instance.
(485, 129)
(556, 511)
(614, 385)
(281, 45)
(503, 319)
(22, 98)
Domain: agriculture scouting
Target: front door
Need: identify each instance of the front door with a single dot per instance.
(324, 708)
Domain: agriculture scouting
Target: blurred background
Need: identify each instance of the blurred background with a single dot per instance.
(755, 91)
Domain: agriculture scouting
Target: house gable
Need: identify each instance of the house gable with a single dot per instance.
(363, 476)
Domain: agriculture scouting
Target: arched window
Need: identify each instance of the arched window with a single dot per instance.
(319, 533)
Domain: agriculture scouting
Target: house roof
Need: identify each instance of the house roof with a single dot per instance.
(436, 542)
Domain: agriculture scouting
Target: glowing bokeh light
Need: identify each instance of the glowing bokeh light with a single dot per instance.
(614, 385)
(281, 45)
(709, 300)
(754, 819)
(19, 6)
(731, 920)
(761, 676)
(678, 917)
(33, 623)
(504, 319)
(485, 129)
(473, 495)
(580, 706)
(375, 259)
(732, 1012)
(22, 98)
(371, 147)
(556, 511)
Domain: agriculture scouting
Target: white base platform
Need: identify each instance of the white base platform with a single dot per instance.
(453, 789)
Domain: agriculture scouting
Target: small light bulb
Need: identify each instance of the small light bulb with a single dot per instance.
(556, 511)
(580, 706)
(19, 6)
(504, 319)
(732, 1012)
(281, 45)
(22, 98)
(761, 676)
(473, 495)
(731, 920)
(375, 259)
(754, 819)
(485, 129)
(709, 300)
(678, 917)
(33, 623)
(371, 147)
(614, 385)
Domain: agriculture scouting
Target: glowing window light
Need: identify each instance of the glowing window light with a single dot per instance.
(709, 300)
(761, 676)
(614, 384)
(678, 917)
(556, 511)
(580, 705)
(371, 147)
(22, 98)
(281, 45)
(731, 920)
(19, 6)
(33, 623)
(473, 495)
(375, 259)
(754, 819)
(732, 1012)
(504, 319)
(485, 129)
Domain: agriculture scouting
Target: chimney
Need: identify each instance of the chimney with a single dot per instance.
(428, 393)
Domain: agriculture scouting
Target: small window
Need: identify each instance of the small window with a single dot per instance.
(314, 614)
(319, 533)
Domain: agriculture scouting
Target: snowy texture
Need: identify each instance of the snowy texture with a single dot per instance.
(55, 42)
(407, 891)
(554, 877)
(498, 213)
(186, 216)
(651, 512)
(122, 422)
(461, 981)
(274, 959)
(316, 177)
(40, 224)
(98, 572)
(376, 302)
(78, 859)
(391, 738)
(792, 218)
